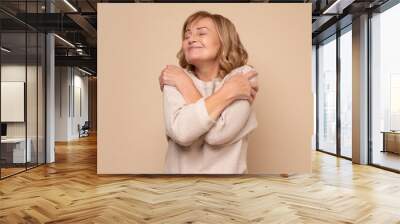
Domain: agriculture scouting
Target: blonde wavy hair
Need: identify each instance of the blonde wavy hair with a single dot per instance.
(231, 53)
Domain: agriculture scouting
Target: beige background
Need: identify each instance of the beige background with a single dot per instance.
(135, 41)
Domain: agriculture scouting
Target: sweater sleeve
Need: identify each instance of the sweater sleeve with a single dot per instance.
(235, 122)
(184, 123)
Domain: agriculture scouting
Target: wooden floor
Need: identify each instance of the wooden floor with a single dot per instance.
(69, 191)
(387, 159)
(5, 172)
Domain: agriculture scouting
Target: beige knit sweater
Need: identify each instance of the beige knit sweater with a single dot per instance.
(199, 145)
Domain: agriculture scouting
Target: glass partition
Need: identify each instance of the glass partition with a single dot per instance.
(22, 88)
(13, 95)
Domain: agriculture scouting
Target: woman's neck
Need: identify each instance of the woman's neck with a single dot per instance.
(207, 72)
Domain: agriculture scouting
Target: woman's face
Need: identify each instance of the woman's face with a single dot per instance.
(201, 42)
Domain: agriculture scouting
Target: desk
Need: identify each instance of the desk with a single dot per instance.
(391, 141)
(13, 150)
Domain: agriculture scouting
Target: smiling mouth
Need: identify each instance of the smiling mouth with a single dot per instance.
(190, 48)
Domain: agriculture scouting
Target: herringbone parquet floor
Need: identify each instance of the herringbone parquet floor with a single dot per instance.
(69, 191)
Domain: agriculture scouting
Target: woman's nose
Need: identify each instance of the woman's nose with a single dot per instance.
(191, 42)
(192, 39)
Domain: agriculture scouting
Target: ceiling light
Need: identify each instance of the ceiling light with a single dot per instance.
(337, 7)
(64, 40)
(70, 5)
(84, 71)
(5, 50)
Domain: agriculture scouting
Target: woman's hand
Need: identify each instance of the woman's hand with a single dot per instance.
(173, 76)
(242, 87)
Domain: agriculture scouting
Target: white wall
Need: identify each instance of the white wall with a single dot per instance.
(62, 81)
(10, 73)
(69, 82)
(80, 83)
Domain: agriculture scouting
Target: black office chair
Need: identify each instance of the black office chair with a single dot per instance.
(84, 130)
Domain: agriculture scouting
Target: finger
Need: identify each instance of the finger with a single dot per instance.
(244, 98)
(253, 92)
(254, 86)
(248, 98)
(164, 78)
(163, 71)
(168, 68)
(251, 99)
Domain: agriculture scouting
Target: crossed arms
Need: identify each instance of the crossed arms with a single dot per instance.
(187, 121)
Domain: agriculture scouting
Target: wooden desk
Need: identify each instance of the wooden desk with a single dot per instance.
(391, 141)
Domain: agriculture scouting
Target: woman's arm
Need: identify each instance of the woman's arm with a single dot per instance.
(175, 76)
(185, 123)
(236, 88)
(232, 125)
(235, 122)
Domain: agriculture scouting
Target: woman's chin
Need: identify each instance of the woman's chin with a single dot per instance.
(195, 61)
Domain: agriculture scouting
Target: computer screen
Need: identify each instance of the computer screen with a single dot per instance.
(3, 129)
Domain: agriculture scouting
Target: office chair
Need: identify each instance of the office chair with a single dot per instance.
(84, 130)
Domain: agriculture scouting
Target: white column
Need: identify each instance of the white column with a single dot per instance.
(360, 90)
(50, 100)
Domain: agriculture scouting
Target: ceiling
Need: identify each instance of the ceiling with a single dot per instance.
(77, 22)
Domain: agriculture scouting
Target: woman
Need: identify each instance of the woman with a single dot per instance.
(207, 105)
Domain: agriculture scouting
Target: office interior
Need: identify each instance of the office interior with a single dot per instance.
(49, 96)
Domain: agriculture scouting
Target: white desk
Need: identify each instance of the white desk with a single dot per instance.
(18, 149)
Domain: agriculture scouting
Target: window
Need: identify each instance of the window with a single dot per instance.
(385, 88)
(346, 92)
(327, 95)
